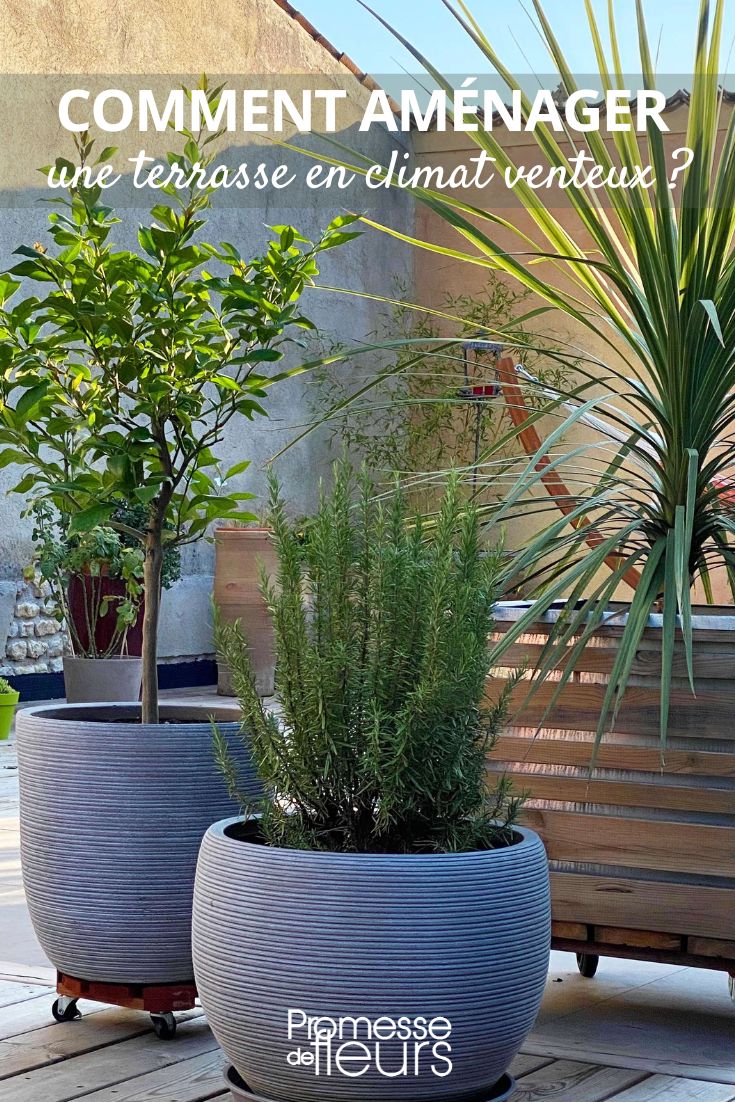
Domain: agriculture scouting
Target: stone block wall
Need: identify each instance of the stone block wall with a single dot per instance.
(35, 642)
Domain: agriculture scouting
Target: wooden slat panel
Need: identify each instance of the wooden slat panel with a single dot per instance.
(575, 931)
(707, 630)
(708, 662)
(677, 957)
(635, 843)
(713, 947)
(591, 660)
(623, 793)
(645, 904)
(579, 707)
(637, 939)
(544, 751)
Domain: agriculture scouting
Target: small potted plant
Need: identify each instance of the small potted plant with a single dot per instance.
(97, 587)
(96, 580)
(9, 698)
(377, 927)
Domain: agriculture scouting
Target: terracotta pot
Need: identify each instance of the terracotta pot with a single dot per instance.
(240, 553)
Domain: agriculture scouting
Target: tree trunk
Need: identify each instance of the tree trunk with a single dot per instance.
(152, 588)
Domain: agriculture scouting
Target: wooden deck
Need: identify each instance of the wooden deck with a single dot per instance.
(111, 1055)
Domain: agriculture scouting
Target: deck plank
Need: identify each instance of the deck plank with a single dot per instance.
(111, 1055)
(81, 1075)
(27, 973)
(20, 1018)
(570, 1081)
(575, 1046)
(666, 1088)
(12, 992)
(55, 1042)
(197, 1079)
(525, 1063)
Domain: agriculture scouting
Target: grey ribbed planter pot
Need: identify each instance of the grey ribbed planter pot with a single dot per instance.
(112, 813)
(461, 936)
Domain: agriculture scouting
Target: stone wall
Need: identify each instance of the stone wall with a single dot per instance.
(35, 643)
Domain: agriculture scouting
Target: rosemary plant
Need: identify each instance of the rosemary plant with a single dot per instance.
(381, 631)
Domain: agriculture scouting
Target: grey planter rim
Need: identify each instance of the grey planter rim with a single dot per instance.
(124, 658)
(110, 713)
(221, 829)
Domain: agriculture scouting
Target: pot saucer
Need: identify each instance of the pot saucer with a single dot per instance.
(502, 1090)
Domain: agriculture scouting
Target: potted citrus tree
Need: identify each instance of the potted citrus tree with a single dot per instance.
(118, 380)
(378, 927)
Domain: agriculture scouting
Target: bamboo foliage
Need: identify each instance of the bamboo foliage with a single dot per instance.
(658, 288)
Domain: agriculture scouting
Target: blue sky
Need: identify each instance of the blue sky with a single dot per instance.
(433, 30)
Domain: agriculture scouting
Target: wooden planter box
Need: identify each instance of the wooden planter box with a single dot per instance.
(642, 850)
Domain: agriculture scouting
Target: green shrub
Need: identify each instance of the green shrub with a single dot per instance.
(5, 687)
(381, 631)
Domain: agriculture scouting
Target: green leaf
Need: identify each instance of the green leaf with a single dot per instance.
(8, 287)
(335, 239)
(714, 318)
(31, 398)
(264, 355)
(238, 468)
(11, 455)
(146, 494)
(90, 518)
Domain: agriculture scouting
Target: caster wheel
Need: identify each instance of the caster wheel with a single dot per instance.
(164, 1026)
(587, 964)
(65, 1010)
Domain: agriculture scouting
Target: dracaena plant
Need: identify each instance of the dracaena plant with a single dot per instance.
(651, 274)
(120, 376)
(381, 636)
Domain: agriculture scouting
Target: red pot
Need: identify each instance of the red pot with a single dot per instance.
(101, 586)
